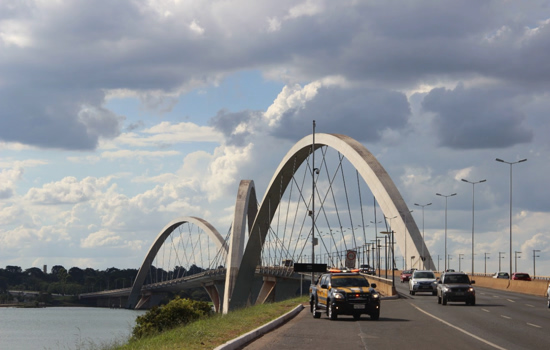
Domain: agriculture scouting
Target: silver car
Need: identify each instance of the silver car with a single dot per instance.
(422, 281)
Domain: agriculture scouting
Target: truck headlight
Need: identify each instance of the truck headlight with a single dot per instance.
(338, 296)
(375, 295)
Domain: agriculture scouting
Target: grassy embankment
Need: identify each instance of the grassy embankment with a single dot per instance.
(208, 333)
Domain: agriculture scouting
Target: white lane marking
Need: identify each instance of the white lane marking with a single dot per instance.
(460, 329)
(529, 305)
(507, 317)
(510, 300)
(534, 325)
(485, 310)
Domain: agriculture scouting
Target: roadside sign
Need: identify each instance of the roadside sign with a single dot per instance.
(300, 267)
(350, 259)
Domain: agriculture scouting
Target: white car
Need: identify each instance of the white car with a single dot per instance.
(503, 275)
(422, 281)
(548, 296)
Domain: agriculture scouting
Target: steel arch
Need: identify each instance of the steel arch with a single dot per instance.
(159, 241)
(372, 172)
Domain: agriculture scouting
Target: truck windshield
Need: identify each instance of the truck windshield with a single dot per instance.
(349, 282)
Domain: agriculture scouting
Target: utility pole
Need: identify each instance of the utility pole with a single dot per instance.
(535, 256)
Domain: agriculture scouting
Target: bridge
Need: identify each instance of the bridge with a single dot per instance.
(324, 211)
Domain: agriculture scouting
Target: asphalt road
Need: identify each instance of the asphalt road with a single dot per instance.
(500, 320)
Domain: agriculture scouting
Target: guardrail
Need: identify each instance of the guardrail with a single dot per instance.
(383, 285)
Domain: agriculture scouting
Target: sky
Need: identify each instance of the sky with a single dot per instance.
(118, 117)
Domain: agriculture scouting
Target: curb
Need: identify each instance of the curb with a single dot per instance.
(258, 332)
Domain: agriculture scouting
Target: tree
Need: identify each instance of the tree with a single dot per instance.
(14, 269)
(77, 275)
(56, 268)
(34, 272)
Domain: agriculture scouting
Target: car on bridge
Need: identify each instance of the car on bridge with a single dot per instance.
(455, 286)
(406, 275)
(422, 281)
(521, 276)
(367, 269)
(504, 275)
(344, 294)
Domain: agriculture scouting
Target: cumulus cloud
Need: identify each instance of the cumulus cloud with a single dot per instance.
(8, 179)
(100, 239)
(67, 191)
(362, 113)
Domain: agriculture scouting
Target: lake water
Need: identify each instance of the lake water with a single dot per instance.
(64, 327)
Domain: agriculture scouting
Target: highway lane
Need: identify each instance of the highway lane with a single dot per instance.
(500, 320)
(401, 325)
(509, 320)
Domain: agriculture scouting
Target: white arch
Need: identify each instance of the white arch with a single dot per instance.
(246, 206)
(372, 172)
(159, 241)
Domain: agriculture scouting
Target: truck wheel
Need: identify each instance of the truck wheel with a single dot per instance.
(330, 312)
(314, 311)
(434, 293)
(375, 315)
(412, 292)
(444, 300)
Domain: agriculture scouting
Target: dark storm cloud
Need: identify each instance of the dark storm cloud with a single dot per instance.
(55, 55)
(360, 113)
(227, 123)
(477, 118)
(45, 119)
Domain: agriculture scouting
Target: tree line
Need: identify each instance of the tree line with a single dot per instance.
(76, 281)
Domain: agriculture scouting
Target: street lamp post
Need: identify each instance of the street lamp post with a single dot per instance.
(313, 241)
(406, 236)
(460, 258)
(473, 201)
(500, 259)
(534, 267)
(486, 257)
(446, 197)
(516, 258)
(511, 163)
(422, 257)
(390, 229)
(448, 261)
(378, 245)
(392, 258)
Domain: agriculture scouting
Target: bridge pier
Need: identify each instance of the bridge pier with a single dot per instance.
(215, 291)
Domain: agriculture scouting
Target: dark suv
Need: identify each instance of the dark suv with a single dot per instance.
(344, 294)
(455, 286)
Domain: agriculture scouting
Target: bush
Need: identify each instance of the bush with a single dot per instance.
(176, 312)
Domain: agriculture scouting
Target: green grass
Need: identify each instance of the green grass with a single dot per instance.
(211, 332)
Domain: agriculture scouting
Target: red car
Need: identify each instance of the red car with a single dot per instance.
(521, 276)
(405, 276)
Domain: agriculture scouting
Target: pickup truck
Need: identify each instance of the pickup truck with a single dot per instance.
(344, 294)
